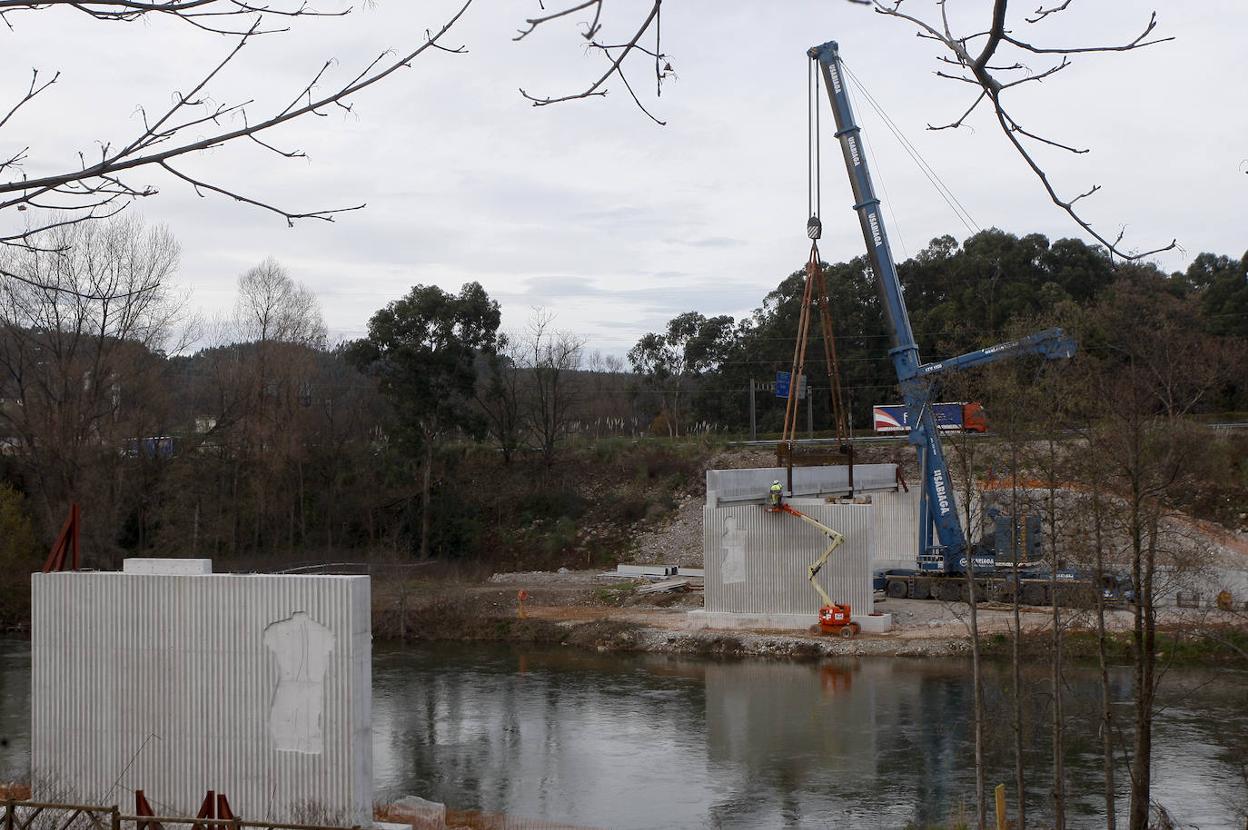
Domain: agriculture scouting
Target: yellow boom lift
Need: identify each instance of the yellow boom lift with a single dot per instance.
(834, 617)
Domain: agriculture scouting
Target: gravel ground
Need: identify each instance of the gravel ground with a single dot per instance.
(679, 542)
(547, 579)
(610, 616)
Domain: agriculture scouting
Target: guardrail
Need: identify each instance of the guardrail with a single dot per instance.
(356, 568)
(902, 436)
(40, 815)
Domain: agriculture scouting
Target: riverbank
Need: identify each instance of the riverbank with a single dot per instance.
(576, 609)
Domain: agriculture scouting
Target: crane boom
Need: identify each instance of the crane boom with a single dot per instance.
(914, 378)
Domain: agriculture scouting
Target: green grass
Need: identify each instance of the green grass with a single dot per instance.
(1222, 645)
(615, 594)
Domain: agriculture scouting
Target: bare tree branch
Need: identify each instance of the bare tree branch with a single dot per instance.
(1014, 125)
(290, 216)
(1009, 68)
(591, 29)
(953, 125)
(981, 70)
(616, 63)
(35, 89)
(201, 14)
(1138, 43)
(1052, 70)
(1041, 13)
(99, 187)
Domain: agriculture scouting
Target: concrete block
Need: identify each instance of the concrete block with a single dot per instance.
(876, 623)
(737, 486)
(256, 686)
(419, 813)
(645, 570)
(168, 567)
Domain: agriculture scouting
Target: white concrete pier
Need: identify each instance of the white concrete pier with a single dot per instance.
(173, 680)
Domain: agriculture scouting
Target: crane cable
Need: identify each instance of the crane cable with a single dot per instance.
(942, 189)
(888, 200)
(814, 198)
(815, 292)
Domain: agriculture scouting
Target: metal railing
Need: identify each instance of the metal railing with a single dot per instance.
(38, 815)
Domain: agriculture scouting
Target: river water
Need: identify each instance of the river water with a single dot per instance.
(651, 741)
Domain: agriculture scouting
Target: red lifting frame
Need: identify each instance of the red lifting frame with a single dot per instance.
(66, 545)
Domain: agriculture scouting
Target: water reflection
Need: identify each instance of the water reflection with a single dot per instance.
(14, 710)
(642, 741)
(646, 741)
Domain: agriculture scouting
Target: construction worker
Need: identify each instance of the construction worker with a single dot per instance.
(775, 494)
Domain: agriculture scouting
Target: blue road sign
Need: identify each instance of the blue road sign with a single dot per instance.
(783, 379)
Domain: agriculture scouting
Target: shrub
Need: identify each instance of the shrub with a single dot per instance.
(562, 535)
(19, 554)
(630, 508)
(552, 504)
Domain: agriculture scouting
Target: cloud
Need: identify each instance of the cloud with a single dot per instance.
(588, 208)
(708, 242)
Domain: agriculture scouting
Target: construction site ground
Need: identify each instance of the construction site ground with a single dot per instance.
(580, 608)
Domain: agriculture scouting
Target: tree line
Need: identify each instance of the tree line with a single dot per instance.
(960, 298)
(267, 443)
(267, 440)
(250, 435)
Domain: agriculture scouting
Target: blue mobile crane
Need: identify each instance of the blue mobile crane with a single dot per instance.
(949, 554)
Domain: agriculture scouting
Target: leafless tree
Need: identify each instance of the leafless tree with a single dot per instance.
(1093, 538)
(1096, 537)
(280, 326)
(1016, 645)
(607, 406)
(1155, 368)
(500, 393)
(609, 364)
(80, 368)
(1049, 461)
(965, 454)
(273, 308)
(1012, 400)
(554, 357)
(991, 57)
(104, 181)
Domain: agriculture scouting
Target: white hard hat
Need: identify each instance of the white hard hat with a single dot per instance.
(777, 481)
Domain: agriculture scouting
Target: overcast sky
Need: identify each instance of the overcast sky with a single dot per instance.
(591, 210)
